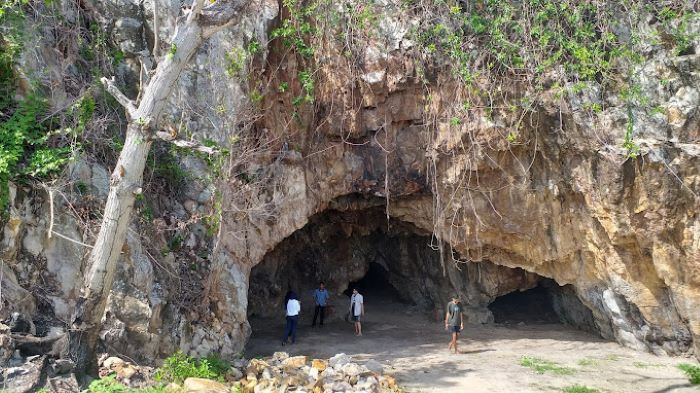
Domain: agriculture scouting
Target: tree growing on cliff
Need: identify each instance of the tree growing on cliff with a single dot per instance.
(195, 25)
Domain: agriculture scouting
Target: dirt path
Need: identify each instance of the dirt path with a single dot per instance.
(415, 351)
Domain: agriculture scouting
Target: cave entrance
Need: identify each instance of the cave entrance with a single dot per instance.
(529, 306)
(405, 280)
(375, 286)
(545, 303)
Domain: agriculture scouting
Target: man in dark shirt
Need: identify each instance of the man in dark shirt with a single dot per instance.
(321, 300)
(454, 321)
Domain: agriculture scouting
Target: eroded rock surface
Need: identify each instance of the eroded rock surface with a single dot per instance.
(561, 201)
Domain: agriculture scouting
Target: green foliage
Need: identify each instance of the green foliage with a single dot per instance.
(171, 51)
(11, 44)
(542, 366)
(23, 147)
(46, 161)
(109, 384)
(166, 167)
(629, 144)
(235, 62)
(180, 366)
(550, 47)
(692, 372)
(579, 389)
(587, 362)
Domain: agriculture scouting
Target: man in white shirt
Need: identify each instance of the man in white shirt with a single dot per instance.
(357, 310)
(293, 309)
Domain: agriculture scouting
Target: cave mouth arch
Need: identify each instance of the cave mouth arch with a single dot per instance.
(393, 262)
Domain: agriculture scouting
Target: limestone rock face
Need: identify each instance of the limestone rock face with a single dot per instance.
(372, 170)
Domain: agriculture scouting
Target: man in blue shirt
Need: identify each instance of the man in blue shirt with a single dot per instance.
(321, 299)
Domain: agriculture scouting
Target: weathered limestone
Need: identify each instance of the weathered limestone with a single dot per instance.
(563, 202)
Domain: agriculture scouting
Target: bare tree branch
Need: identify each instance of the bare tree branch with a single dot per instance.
(119, 96)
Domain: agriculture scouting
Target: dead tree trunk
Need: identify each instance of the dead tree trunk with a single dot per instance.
(196, 25)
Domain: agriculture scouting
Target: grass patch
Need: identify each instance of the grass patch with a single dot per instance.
(109, 384)
(542, 366)
(579, 389)
(587, 362)
(646, 365)
(613, 358)
(692, 372)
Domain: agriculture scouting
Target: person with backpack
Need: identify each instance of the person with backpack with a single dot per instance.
(321, 300)
(293, 307)
(454, 321)
(357, 310)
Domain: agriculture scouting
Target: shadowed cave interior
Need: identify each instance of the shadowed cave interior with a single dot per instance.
(393, 263)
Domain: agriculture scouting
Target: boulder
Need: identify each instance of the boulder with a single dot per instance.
(256, 366)
(339, 360)
(375, 366)
(202, 385)
(319, 364)
(353, 369)
(294, 362)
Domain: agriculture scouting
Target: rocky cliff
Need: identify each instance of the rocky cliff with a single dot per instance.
(350, 137)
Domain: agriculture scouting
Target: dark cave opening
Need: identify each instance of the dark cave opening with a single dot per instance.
(546, 303)
(528, 306)
(393, 265)
(375, 285)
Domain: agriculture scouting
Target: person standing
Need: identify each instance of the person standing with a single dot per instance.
(357, 310)
(293, 309)
(454, 321)
(321, 299)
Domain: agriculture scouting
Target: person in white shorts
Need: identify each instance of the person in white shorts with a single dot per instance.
(357, 310)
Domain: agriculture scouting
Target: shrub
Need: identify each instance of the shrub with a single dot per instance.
(692, 372)
(180, 366)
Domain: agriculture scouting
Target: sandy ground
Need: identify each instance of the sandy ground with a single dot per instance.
(414, 350)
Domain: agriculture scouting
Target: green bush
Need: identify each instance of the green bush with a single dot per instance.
(180, 366)
(692, 371)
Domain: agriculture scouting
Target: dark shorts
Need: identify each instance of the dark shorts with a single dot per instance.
(454, 329)
(356, 318)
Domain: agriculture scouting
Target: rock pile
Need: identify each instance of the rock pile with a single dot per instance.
(296, 373)
(284, 373)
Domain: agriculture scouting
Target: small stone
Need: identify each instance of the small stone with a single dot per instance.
(202, 385)
(339, 360)
(329, 373)
(63, 366)
(388, 382)
(353, 370)
(256, 366)
(266, 374)
(126, 372)
(375, 366)
(319, 364)
(313, 373)
(112, 361)
(342, 387)
(294, 362)
(173, 387)
(233, 374)
(280, 356)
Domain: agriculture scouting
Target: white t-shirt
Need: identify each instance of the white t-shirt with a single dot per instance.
(358, 300)
(293, 307)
